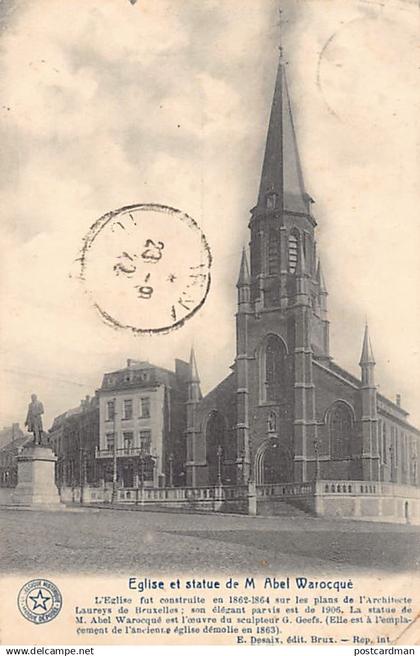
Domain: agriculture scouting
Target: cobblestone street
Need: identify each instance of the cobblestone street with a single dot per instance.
(118, 541)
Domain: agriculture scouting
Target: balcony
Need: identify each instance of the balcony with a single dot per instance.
(125, 452)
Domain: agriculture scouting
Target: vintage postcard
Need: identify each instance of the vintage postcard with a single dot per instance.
(210, 395)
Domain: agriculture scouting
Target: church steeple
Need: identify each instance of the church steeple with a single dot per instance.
(194, 379)
(281, 179)
(369, 418)
(243, 279)
(243, 285)
(320, 279)
(366, 357)
(322, 292)
(283, 272)
(282, 227)
(367, 361)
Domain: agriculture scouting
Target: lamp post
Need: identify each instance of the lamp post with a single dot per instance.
(241, 465)
(219, 454)
(171, 470)
(141, 471)
(81, 473)
(316, 450)
(82, 460)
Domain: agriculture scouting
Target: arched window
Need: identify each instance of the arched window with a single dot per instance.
(293, 250)
(340, 425)
(273, 368)
(273, 253)
(271, 200)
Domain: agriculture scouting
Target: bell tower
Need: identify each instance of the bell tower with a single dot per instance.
(282, 226)
(282, 319)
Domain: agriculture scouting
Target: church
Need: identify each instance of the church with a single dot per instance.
(287, 413)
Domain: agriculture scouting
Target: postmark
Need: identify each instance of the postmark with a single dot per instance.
(39, 601)
(146, 268)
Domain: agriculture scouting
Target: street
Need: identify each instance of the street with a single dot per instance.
(91, 541)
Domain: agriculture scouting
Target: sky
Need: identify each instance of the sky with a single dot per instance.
(105, 104)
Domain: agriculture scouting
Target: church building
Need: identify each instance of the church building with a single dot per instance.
(287, 412)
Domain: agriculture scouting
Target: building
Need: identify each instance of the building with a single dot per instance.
(287, 412)
(10, 434)
(142, 412)
(74, 438)
(8, 453)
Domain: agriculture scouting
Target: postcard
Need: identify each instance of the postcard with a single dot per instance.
(209, 328)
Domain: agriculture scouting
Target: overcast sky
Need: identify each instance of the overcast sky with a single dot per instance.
(105, 104)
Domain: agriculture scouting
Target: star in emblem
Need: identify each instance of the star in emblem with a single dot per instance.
(39, 600)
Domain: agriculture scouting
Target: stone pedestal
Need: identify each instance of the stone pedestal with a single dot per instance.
(36, 481)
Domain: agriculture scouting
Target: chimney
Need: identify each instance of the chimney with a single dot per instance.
(398, 400)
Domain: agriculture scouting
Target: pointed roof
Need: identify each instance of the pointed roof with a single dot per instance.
(367, 353)
(243, 278)
(195, 378)
(320, 278)
(281, 171)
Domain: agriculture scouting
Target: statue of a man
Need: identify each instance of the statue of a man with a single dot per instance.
(34, 419)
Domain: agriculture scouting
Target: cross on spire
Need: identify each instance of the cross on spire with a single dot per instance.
(280, 46)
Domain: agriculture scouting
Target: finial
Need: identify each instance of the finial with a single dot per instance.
(367, 353)
(280, 46)
(243, 270)
(193, 367)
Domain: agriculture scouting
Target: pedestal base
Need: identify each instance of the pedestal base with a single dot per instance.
(36, 480)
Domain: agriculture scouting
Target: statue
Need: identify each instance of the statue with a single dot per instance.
(272, 422)
(34, 419)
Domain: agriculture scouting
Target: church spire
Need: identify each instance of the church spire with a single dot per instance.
(321, 280)
(322, 292)
(243, 285)
(281, 179)
(243, 278)
(194, 377)
(367, 361)
(194, 390)
(367, 354)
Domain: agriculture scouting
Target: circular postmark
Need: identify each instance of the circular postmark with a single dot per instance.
(146, 267)
(39, 601)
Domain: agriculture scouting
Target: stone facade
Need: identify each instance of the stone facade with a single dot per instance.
(9, 453)
(74, 438)
(142, 425)
(287, 412)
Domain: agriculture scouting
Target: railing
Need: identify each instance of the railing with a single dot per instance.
(232, 492)
(191, 494)
(286, 490)
(144, 495)
(275, 491)
(369, 488)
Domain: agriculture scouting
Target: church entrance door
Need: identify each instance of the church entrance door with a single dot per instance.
(272, 464)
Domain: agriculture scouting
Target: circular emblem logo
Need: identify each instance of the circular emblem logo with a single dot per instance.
(39, 601)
